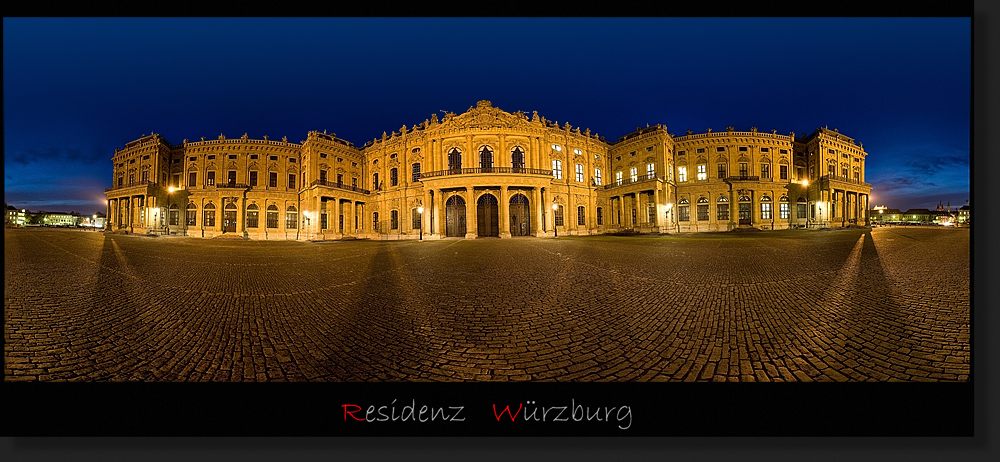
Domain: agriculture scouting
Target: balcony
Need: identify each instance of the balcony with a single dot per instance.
(232, 186)
(844, 179)
(486, 170)
(637, 179)
(345, 187)
(730, 179)
(131, 185)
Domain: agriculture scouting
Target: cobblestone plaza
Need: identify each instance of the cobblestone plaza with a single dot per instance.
(848, 305)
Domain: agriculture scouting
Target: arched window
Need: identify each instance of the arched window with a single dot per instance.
(175, 215)
(784, 209)
(253, 216)
(209, 219)
(272, 216)
(291, 217)
(702, 200)
(722, 209)
(517, 157)
(485, 157)
(765, 207)
(744, 198)
(702, 208)
(192, 214)
(683, 210)
(454, 159)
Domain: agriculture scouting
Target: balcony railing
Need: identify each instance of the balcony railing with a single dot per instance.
(637, 179)
(131, 185)
(232, 185)
(334, 184)
(487, 170)
(844, 179)
(743, 178)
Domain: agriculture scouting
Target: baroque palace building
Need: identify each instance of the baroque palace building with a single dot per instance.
(488, 172)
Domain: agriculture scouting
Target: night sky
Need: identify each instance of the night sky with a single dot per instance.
(77, 88)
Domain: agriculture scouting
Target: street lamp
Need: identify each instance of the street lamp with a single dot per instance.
(94, 223)
(805, 184)
(555, 227)
(170, 191)
(420, 210)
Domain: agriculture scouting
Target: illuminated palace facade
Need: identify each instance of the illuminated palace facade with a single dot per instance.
(484, 173)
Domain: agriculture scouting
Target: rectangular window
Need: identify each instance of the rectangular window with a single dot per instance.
(721, 149)
(702, 212)
(416, 219)
(783, 172)
(253, 156)
(744, 169)
(618, 178)
(231, 178)
(765, 171)
(192, 159)
(291, 181)
(557, 169)
(176, 183)
(650, 170)
(274, 157)
(253, 219)
(558, 215)
(597, 176)
(579, 173)
(290, 220)
(375, 181)
(857, 176)
(701, 150)
(232, 156)
(682, 174)
(354, 182)
(722, 170)
(209, 218)
(191, 179)
(192, 217)
(272, 219)
(394, 219)
(145, 175)
(253, 179)
(831, 170)
(131, 178)
(415, 171)
(765, 211)
(633, 173)
(765, 150)
(291, 160)
(702, 172)
(600, 216)
(272, 179)
(800, 210)
(722, 212)
(211, 178)
(684, 213)
(340, 178)
(783, 211)
(174, 217)
(322, 176)
(843, 172)
(580, 218)
(393, 176)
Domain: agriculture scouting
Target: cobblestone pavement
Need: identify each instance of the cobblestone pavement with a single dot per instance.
(885, 304)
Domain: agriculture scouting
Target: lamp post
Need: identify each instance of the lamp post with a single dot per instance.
(94, 224)
(555, 226)
(170, 191)
(420, 210)
(805, 184)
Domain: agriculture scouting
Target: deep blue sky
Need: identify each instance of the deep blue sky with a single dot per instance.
(76, 88)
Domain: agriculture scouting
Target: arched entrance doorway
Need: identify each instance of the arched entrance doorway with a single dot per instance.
(520, 223)
(455, 217)
(488, 216)
(746, 216)
(229, 218)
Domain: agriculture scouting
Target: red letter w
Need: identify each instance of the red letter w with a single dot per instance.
(507, 410)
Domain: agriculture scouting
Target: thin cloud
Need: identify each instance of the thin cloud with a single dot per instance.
(59, 154)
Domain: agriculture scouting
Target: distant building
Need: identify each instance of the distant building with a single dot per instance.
(62, 219)
(16, 217)
(964, 215)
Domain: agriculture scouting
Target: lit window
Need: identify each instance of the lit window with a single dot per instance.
(558, 216)
(597, 176)
(579, 173)
(291, 217)
(765, 171)
(618, 178)
(702, 173)
(783, 211)
(765, 209)
(633, 173)
(557, 147)
(682, 174)
(211, 178)
(557, 169)
(578, 152)
(651, 170)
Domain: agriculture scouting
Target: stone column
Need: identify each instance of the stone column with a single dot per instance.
(536, 207)
(504, 213)
(471, 228)
(439, 209)
(425, 218)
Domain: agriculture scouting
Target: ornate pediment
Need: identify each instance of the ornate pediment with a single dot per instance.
(485, 117)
